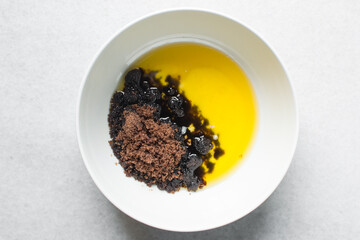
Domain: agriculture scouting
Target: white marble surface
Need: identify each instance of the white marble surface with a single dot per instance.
(45, 50)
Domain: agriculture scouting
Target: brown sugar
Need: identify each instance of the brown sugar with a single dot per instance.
(149, 148)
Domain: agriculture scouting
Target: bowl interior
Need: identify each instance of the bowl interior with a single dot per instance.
(253, 181)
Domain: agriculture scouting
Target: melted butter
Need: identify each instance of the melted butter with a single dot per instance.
(221, 90)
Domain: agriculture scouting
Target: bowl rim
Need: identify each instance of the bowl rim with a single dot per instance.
(171, 10)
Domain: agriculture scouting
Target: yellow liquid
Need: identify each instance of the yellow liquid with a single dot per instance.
(219, 87)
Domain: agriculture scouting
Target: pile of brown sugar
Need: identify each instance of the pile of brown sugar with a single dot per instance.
(149, 149)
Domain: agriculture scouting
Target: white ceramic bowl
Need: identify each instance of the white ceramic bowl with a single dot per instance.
(252, 182)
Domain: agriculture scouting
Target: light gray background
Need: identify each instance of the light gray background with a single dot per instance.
(45, 50)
